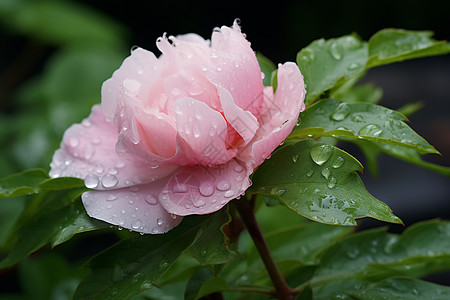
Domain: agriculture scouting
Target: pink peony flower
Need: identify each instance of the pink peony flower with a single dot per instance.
(179, 134)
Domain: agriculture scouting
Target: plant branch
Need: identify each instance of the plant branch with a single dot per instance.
(245, 209)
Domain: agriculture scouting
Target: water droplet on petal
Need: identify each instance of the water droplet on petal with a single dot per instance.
(134, 188)
(136, 224)
(228, 194)
(206, 188)
(179, 188)
(151, 199)
(204, 68)
(212, 131)
(196, 130)
(109, 181)
(223, 185)
(86, 123)
(120, 164)
(175, 91)
(341, 112)
(370, 130)
(73, 142)
(159, 221)
(111, 197)
(198, 115)
(238, 168)
(154, 164)
(112, 171)
(195, 89)
(321, 153)
(99, 168)
(91, 181)
(199, 203)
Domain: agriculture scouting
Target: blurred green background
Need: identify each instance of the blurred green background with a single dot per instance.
(54, 56)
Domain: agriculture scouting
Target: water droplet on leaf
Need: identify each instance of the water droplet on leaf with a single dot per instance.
(341, 112)
(338, 162)
(326, 173)
(321, 153)
(335, 52)
(370, 130)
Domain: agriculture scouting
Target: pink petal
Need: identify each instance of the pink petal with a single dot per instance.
(202, 133)
(157, 132)
(234, 67)
(88, 152)
(141, 66)
(203, 190)
(278, 121)
(242, 121)
(136, 208)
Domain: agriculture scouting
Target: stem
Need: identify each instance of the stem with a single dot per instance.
(282, 290)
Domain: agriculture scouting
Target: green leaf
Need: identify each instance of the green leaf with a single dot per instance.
(325, 63)
(9, 214)
(302, 242)
(174, 291)
(267, 67)
(405, 154)
(367, 93)
(359, 121)
(76, 221)
(375, 255)
(321, 184)
(394, 45)
(134, 265)
(23, 183)
(212, 246)
(392, 288)
(49, 276)
(34, 181)
(306, 294)
(204, 283)
(371, 153)
(405, 289)
(56, 221)
(411, 108)
(61, 183)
